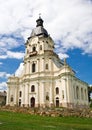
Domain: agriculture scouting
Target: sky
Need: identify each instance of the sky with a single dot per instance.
(69, 23)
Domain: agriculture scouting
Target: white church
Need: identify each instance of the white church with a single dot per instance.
(46, 80)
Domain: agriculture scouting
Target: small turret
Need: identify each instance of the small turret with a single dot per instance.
(39, 30)
(39, 22)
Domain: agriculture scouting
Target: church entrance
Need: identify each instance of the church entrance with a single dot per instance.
(32, 101)
(57, 102)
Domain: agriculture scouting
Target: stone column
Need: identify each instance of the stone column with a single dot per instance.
(15, 95)
(42, 95)
(23, 97)
(25, 67)
(50, 65)
(8, 96)
(60, 92)
(38, 65)
(51, 100)
(38, 97)
(64, 89)
(66, 94)
(79, 93)
(26, 95)
(42, 64)
(29, 67)
(71, 92)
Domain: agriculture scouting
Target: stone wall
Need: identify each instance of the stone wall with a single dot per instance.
(56, 112)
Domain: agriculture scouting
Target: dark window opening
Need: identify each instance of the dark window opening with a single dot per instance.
(11, 98)
(46, 66)
(32, 88)
(20, 94)
(19, 102)
(57, 102)
(32, 101)
(33, 67)
(47, 96)
(40, 47)
(57, 90)
(34, 48)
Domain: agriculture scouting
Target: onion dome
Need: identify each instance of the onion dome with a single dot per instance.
(39, 30)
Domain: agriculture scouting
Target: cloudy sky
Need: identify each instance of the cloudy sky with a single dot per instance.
(69, 23)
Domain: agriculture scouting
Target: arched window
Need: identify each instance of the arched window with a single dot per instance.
(33, 67)
(20, 94)
(57, 102)
(40, 47)
(32, 88)
(11, 98)
(47, 96)
(46, 66)
(77, 92)
(85, 94)
(32, 102)
(57, 90)
(82, 93)
(19, 102)
(74, 92)
(34, 48)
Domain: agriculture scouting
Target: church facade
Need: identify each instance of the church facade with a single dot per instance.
(46, 81)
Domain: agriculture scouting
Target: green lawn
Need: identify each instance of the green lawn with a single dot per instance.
(19, 121)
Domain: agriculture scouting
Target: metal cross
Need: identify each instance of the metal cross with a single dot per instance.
(39, 15)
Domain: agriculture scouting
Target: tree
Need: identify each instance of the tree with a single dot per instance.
(89, 92)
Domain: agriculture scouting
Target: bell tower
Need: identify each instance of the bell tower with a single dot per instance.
(39, 47)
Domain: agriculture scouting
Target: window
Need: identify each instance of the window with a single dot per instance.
(47, 96)
(57, 102)
(74, 92)
(57, 90)
(82, 93)
(32, 88)
(85, 94)
(20, 94)
(33, 67)
(19, 102)
(46, 66)
(77, 92)
(40, 47)
(34, 48)
(11, 98)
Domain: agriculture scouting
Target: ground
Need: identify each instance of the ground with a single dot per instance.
(25, 121)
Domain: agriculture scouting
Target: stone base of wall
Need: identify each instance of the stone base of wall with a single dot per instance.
(72, 105)
(65, 105)
(54, 112)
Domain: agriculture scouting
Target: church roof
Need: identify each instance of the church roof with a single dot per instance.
(39, 30)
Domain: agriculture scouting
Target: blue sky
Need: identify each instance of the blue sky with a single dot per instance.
(69, 23)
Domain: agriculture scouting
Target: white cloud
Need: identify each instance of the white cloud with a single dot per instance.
(70, 22)
(8, 42)
(4, 75)
(3, 86)
(19, 71)
(1, 63)
(14, 55)
(62, 56)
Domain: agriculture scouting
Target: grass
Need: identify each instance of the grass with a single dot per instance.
(20, 121)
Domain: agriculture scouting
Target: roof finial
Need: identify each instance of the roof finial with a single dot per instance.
(39, 21)
(39, 15)
(65, 61)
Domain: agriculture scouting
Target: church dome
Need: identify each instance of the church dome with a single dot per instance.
(39, 30)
